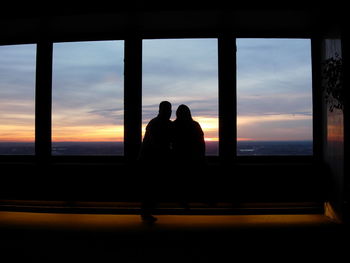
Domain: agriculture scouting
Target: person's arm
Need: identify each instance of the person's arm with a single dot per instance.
(200, 139)
(145, 144)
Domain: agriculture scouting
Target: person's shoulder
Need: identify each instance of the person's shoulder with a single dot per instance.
(197, 126)
(177, 123)
(159, 122)
(196, 123)
(151, 122)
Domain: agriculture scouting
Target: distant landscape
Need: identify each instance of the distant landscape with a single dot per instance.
(257, 148)
(87, 148)
(244, 148)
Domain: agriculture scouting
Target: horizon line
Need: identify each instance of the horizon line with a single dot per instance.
(244, 140)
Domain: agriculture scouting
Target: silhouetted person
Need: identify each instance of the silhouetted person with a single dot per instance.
(188, 138)
(188, 151)
(155, 155)
(156, 145)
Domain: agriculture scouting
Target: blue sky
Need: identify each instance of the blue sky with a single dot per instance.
(273, 87)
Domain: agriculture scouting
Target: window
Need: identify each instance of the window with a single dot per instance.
(274, 97)
(274, 94)
(87, 100)
(183, 71)
(17, 99)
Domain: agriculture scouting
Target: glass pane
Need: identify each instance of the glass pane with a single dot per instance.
(88, 98)
(274, 97)
(183, 71)
(17, 99)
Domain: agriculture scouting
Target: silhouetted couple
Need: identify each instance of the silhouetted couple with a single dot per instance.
(167, 147)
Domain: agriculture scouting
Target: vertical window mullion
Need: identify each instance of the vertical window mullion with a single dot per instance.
(132, 97)
(317, 97)
(227, 98)
(43, 100)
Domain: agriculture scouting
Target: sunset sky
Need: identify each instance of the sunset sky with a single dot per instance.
(273, 88)
(17, 84)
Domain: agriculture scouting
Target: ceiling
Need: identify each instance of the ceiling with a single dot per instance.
(63, 20)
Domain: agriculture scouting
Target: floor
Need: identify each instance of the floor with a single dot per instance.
(58, 237)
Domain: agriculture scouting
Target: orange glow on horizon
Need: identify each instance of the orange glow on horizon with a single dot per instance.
(17, 133)
(245, 139)
(115, 133)
(208, 125)
(247, 120)
(26, 140)
(209, 139)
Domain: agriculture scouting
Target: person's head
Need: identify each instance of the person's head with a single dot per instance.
(165, 110)
(183, 113)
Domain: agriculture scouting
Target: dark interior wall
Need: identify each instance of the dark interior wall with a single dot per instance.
(83, 23)
(345, 54)
(259, 182)
(333, 115)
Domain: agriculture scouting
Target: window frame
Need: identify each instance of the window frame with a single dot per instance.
(227, 96)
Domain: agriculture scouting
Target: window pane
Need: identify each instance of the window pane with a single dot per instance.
(274, 97)
(183, 71)
(17, 99)
(88, 98)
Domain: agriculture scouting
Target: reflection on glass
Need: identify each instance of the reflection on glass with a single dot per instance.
(88, 98)
(274, 97)
(183, 71)
(17, 99)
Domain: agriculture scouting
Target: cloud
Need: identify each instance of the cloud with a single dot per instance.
(17, 72)
(108, 116)
(274, 104)
(296, 126)
(88, 84)
(281, 53)
(274, 77)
